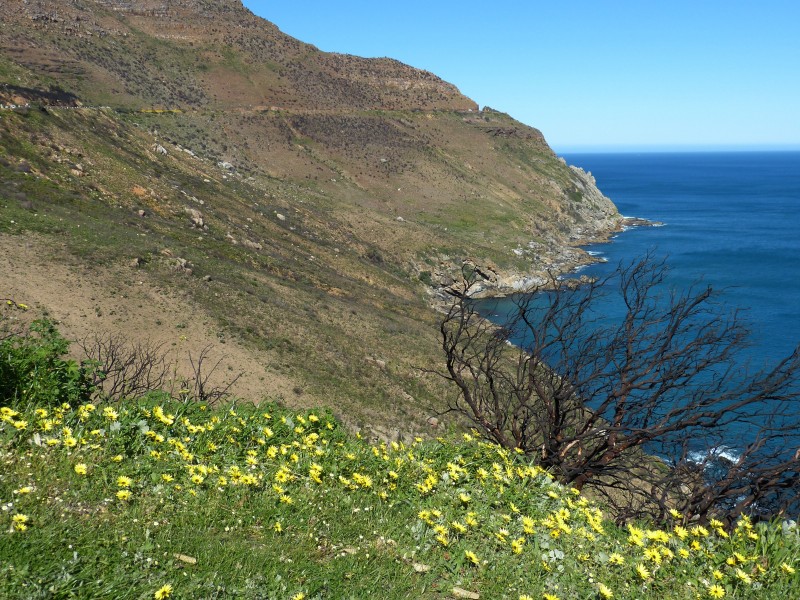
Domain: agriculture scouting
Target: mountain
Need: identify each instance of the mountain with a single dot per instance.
(186, 166)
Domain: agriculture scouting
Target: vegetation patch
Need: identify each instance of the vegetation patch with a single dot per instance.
(157, 497)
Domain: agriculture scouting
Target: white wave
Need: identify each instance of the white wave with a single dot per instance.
(723, 452)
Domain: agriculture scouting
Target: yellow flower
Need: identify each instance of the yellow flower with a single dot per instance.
(681, 532)
(165, 591)
(787, 568)
(28, 489)
(117, 458)
(20, 522)
(80, 469)
(158, 413)
(642, 571)
(743, 577)
(544, 596)
(124, 495)
(124, 482)
(699, 531)
(675, 514)
(472, 557)
(653, 555)
(616, 559)
(604, 591)
(277, 527)
(716, 591)
(299, 596)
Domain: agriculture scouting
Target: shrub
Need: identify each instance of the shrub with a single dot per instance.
(33, 369)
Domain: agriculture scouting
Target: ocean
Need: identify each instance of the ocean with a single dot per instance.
(730, 220)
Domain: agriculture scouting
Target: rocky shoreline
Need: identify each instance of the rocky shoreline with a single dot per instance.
(568, 259)
(595, 221)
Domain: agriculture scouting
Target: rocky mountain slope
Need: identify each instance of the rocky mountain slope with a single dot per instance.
(310, 205)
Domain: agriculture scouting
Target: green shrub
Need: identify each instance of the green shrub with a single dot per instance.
(425, 277)
(33, 369)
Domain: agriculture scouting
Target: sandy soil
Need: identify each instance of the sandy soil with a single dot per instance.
(120, 299)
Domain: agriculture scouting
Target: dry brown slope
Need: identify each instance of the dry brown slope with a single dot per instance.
(117, 298)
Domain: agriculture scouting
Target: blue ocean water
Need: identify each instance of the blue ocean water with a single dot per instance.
(732, 219)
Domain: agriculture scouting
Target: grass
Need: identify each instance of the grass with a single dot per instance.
(246, 501)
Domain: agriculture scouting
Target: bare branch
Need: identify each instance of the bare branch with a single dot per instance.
(597, 399)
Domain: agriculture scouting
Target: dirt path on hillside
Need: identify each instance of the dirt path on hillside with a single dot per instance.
(117, 299)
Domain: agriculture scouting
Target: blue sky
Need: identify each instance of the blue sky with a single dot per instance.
(592, 75)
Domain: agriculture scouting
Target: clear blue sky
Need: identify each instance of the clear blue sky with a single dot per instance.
(592, 75)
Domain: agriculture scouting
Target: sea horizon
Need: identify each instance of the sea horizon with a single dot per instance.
(673, 149)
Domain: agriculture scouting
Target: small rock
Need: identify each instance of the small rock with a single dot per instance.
(254, 245)
(381, 364)
(433, 422)
(280, 217)
(207, 278)
(141, 213)
(196, 216)
(189, 560)
(136, 263)
(183, 266)
(461, 593)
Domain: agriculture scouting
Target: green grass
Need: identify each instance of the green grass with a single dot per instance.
(248, 501)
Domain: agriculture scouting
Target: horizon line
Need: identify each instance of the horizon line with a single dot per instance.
(670, 148)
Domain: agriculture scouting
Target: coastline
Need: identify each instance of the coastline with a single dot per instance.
(568, 260)
(585, 217)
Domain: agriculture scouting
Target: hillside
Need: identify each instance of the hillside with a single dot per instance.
(183, 171)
